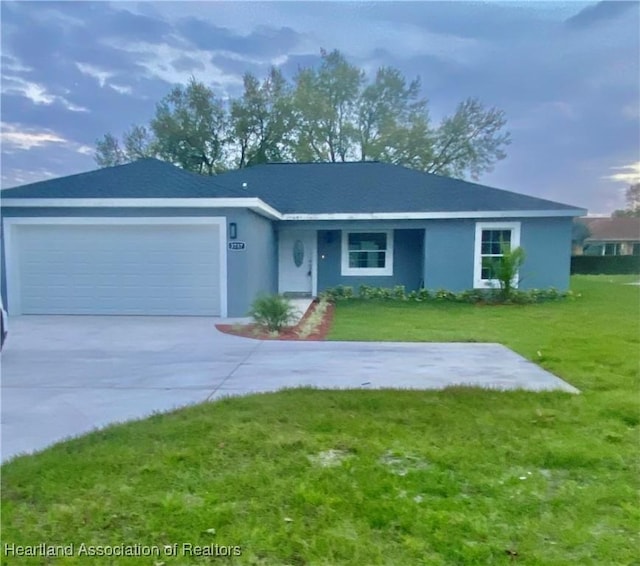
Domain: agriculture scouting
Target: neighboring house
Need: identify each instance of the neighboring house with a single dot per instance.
(151, 239)
(611, 236)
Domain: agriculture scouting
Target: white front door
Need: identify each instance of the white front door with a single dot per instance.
(297, 261)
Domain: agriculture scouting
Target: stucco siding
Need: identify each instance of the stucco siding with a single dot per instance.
(448, 262)
(547, 245)
(407, 261)
(260, 262)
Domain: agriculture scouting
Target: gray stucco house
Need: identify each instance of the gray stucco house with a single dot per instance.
(148, 238)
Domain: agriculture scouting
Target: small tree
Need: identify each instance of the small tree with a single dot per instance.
(507, 269)
(272, 312)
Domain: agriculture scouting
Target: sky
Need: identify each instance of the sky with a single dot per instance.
(567, 75)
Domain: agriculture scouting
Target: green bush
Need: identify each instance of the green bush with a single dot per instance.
(338, 293)
(473, 296)
(272, 312)
(605, 264)
(399, 293)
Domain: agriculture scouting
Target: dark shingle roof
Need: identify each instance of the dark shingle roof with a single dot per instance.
(145, 178)
(294, 188)
(357, 187)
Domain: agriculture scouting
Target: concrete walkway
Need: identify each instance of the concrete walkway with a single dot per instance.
(63, 376)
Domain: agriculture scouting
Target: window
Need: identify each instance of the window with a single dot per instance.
(635, 250)
(367, 253)
(491, 239)
(611, 249)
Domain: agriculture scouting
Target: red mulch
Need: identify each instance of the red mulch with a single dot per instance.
(287, 333)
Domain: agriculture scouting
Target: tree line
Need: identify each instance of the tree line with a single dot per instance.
(326, 114)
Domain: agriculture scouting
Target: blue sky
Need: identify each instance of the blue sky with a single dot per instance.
(567, 75)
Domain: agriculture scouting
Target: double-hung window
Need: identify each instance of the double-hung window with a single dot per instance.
(367, 252)
(492, 240)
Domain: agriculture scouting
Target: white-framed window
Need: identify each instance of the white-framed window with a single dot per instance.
(367, 252)
(490, 239)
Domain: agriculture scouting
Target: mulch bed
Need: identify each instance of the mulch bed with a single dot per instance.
(287, 333)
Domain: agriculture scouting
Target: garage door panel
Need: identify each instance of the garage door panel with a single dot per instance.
(119, 269)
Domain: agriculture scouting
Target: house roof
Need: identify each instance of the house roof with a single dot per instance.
(295, 188)
(616, 229)
(145, 178)
(356, 187)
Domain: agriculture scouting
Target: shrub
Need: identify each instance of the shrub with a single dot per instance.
(474, 296)
(444, 295)
(338, 293)
(423, 294)
(272, 312)
(399, 293)
(365, 291)
(605, 264)
(506, 269)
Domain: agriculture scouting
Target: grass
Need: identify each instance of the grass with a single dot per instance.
(461, 476)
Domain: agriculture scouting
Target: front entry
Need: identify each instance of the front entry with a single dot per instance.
(297, 262)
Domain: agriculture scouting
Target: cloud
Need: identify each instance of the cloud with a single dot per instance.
(629, 174)
(13, 137)
(156, 60)
(263, 41)
(36, 93)
(101, 76)
(631, 111)
(184, 63)
(24, 176)
(16, 137)
(598, 13)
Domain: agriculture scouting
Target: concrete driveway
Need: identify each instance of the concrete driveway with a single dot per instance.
(63, 376)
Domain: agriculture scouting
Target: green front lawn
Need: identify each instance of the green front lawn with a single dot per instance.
(461, 476)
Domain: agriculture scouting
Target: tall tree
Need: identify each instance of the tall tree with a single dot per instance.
(261, 120)
(108, 152)
(325, 102)
(329, 113)
(190, 128)
(391, 114)
(139, 143)
(632, 197)
(393, 121)
(471, 140)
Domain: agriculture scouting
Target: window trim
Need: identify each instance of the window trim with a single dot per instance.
(515, 228)
(367, 271)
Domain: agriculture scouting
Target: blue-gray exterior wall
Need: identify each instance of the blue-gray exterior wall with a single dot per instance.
(249, 272)
(254, 270)
(440, 253)
(448, 254)
(407, 261)
(547, 245)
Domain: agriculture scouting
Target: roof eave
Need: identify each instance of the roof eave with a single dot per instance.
(436, 215)
(253, 203)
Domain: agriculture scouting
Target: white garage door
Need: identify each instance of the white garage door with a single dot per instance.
(126, 268)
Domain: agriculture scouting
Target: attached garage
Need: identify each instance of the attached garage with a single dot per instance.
(116, 266)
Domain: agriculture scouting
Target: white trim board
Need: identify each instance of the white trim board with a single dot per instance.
(436, 215)
(13, 285)
(252, 203)
(258, 205)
